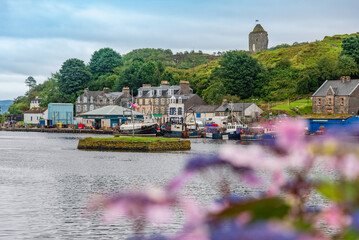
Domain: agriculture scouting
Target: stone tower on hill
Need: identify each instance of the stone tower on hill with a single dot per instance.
(258, 39)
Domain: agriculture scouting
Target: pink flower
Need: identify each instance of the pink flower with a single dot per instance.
(335, 217)
(349, 166)
(290, 133)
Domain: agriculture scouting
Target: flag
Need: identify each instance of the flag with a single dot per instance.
(257, 20)
(130, 105)
(134, 105)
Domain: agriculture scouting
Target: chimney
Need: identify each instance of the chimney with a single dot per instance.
(165, 83)
(184, 87)
(224, 101)
(146, 85)
(106, 90)
(345, 79)
(126, 91)
(86, 90)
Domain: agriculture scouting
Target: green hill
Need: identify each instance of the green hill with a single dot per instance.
(304, 54)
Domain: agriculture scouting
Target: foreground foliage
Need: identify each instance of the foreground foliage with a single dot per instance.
(281, 210)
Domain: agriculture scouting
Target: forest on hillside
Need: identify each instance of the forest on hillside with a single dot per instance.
(285, 71)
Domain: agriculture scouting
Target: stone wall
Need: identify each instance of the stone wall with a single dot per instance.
(116, 145)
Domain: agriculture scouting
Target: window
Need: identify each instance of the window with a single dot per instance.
(163, 101)
(173, 111)
(342, 101)
(179, 111)
(91, 107)
(31, 118)
(319, 101)
(329, 101)
(78, 108)
(91, 99)
(78, 100)
(159, 92)
(179, 100)
(163, 110)
(168, 100)
(157, 110)
(85, 108)
(85, 99)
(150, 93)
(104, 100)
(173, 99)
(170, 92)
(157, 101)
(139, 93)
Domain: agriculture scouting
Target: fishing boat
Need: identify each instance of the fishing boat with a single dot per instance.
(139, 127)
(178, 130)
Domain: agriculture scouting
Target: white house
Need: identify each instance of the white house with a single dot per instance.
(34, 115)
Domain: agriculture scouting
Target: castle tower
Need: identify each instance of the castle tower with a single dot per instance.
(258, 39)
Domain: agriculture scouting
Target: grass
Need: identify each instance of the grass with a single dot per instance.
(304, 107)
(136, 139)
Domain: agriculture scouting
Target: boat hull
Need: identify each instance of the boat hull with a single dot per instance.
(151, 129)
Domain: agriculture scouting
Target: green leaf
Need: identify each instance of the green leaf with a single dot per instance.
(260, 209)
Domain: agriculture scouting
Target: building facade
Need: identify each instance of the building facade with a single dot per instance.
(91, 100)
(242, 110)
(155, 100)
(337, 97)
(180, 107)
(35, 114)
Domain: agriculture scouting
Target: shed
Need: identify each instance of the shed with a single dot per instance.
(109, 116)
(61, 113)
(316, 124)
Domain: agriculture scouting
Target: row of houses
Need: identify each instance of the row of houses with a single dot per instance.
(165, 103)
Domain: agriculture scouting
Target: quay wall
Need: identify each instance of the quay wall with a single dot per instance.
(57, 130)
(116, 145)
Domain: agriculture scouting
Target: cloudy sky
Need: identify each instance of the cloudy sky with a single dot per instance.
(37, 36)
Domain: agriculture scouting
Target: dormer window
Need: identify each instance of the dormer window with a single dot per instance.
(85, 99)
(150, 94)
(159, 92)
(78, 100)
(139, 93)
(179, 100)
(170, 92)
(173, 99)
(91, 99)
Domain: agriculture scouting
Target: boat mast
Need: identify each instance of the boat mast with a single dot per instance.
(133, 123)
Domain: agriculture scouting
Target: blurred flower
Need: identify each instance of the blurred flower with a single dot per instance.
(334, 216)
(290, 134)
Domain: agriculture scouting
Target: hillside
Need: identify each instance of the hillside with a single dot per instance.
(181, 60)
(305, 54)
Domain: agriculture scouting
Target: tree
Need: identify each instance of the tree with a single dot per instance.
(30, 82)
(104, 61)
(73, 77)
(241, 74)
(327, 69)
(346, 66)
(215, 93)
(351, 48)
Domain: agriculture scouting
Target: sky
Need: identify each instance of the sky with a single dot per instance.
(37, 36)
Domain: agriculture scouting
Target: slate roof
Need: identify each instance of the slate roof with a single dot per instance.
(237, 107)
(111, 110)
(36, 110)
(164, 88)
(339, 88)
(205, 108)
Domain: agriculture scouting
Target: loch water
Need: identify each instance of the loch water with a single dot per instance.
(46, 183)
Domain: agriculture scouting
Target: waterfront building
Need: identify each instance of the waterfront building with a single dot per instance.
(180, 107)
(61, 113)
(35, 114)
(243, 110)
(91, 100)
(109, 116)
(337, 97)
(155, 100)
(204, 112)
